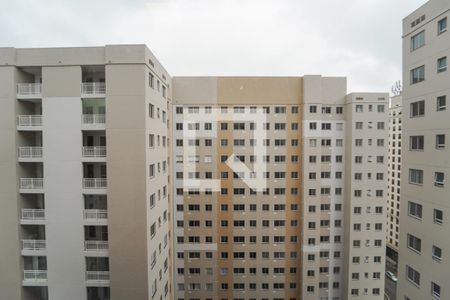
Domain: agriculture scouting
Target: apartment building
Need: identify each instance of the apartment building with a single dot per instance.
(394, 176)
(424, 242)
(314, 228)
(84, 190)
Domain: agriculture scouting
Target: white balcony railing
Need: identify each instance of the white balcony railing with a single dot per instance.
(96, 245)
(35, 275)
(95, 214)
(94, 151)
(31, 183)
(30, 152)
(93, 119)
(33, 245)
(94, 183)
(29, 89)
(97, 275)
(33, 214)
(29, 120)
(93, 88)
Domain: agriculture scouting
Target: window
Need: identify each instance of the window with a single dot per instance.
(412, 275)
(417, 109)
(151, 110)
(415, 176)
(312, 109)
(416, 142)
(415, 210)
(339, 110)
(441, 103)
(418, 40)
(442, 25)
(439, 179)
(414, 243)
(435, 290)
(151, 80)
(442, 64)
(440, 141)
(436, 253)
(359, 108)
(438, 216)
(418, 74)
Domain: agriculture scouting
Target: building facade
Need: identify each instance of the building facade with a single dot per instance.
(312, 232)
(424, 243)
(122, 182)
(84, 189)
(394, 179)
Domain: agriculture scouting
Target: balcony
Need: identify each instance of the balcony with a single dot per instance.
(34, 277)
(29, 122)
(93, 122)
(96, 248)
(93, 89)
(31, 185)
(33, 247)
(97, 278)
(32, 216)
(29, 90)
(30, 154)
(94, 185)
(94, 153)
(95, 216)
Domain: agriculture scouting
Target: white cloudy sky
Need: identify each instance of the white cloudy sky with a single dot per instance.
(360, 39)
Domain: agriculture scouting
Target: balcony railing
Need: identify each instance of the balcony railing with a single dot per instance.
(29, 120)
(30, 152)
(93, 88)
(95, 214)
(93, 119)
(94, 183)
(35, 275)
(94, 151)
(33, 214)
(33, 245)
(29, 89)
(97, 275)
(96, 245)
(31, 183)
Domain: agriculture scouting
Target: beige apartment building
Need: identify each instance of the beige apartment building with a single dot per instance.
(119, 182)
(316, 228)
(394, 179)
(424, 228)
(84, 192)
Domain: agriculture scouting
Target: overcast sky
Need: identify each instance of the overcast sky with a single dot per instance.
(360, 39)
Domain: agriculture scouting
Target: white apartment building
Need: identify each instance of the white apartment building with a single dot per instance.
(84, 194)
(424, 228)
(294, 239)
(394, 179)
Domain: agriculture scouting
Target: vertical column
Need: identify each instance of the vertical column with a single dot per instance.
(127, 174)
(10, 274)
(61, 113)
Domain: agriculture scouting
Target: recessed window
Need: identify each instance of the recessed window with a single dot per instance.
(416, 142)
(439, 179)
(415, 176)
(412, 275)
(414, 243)
(442, 25)
(418, 74)
(417, 109)
(441, 103)
(415, 210)
(438, 216)
(442, 64)
(440, 141)
(435, 290)
(436, 252)
(418, 40)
